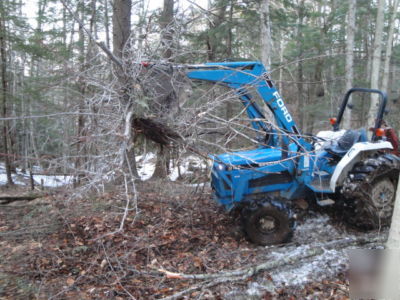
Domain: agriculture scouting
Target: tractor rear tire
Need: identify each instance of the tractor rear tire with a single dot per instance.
(370, 189)
(267, 222)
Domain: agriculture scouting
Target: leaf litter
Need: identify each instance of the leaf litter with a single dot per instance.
(176, 231)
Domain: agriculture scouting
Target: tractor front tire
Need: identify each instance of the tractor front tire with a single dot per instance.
(267, 222)
(370, 189)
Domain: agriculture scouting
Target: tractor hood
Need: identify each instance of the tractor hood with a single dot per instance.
(252, 157)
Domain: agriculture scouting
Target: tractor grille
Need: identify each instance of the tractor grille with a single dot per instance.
(215, 181)
(226, 185)
(275, 178)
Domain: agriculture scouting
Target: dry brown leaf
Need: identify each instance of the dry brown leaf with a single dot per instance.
(103, 263)
(70, 281)
(198, 262)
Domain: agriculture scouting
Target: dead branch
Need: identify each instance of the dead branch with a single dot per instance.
(243, 274)
(9, 199)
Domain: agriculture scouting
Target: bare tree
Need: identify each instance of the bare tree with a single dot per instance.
(5, 94)
(265, 38)
(167, 32)
(301, 12)
(389, 46)
(121, 21)
(121, 33)
(376, 62)
(166, 24)
(80, 147)
(351, 22)
(107, 23)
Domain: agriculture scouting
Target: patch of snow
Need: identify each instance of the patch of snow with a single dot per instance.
(256, 290)
(188, 162)
(320, 267)
(313, 231)
(37, 169)
(175, 172)
(52, 181)
(314, 228)
(16, 178)
(147, 163)
(145, 157)
(23, 179)
(3, 177)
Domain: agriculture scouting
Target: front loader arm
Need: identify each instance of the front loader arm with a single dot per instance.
(239, 75)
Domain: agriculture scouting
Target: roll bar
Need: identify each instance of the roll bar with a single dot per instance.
(381, 111)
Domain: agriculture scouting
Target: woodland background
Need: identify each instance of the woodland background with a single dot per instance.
(98, 118)
(60, 91)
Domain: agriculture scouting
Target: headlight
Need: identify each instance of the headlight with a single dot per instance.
(224, 167)
(221, 167)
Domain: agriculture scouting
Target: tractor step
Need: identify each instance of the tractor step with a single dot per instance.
(325, 202)
(321, 184)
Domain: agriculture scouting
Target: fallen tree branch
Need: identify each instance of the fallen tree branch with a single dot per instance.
(242, 274)
(9, 199)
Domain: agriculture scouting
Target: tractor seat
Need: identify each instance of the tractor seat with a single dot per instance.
(346, 141)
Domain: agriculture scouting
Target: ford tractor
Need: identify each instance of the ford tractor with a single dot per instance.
(354, 168)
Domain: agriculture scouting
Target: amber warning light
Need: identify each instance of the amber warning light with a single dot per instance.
(380, 132)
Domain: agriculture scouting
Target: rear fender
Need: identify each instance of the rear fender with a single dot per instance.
(358, 152)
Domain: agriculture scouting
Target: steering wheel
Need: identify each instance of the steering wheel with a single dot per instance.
(313, 139)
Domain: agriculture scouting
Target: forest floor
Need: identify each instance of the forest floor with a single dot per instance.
(58, 248)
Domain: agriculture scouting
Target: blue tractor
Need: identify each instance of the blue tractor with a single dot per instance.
(350, 169)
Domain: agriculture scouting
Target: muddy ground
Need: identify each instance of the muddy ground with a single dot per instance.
(58, 248)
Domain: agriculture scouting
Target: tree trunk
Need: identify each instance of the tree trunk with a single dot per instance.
(301, 101)
(80, 153)
(389, 46)
(121, 25)
(166, 21)
(141, 24)
(367, 74)
(265, 30)
(121, 31)
(162, 165)
(163, 157)
(4, 95)
(376, 63)
(229, 39)
(107, 23)
(349, 70)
